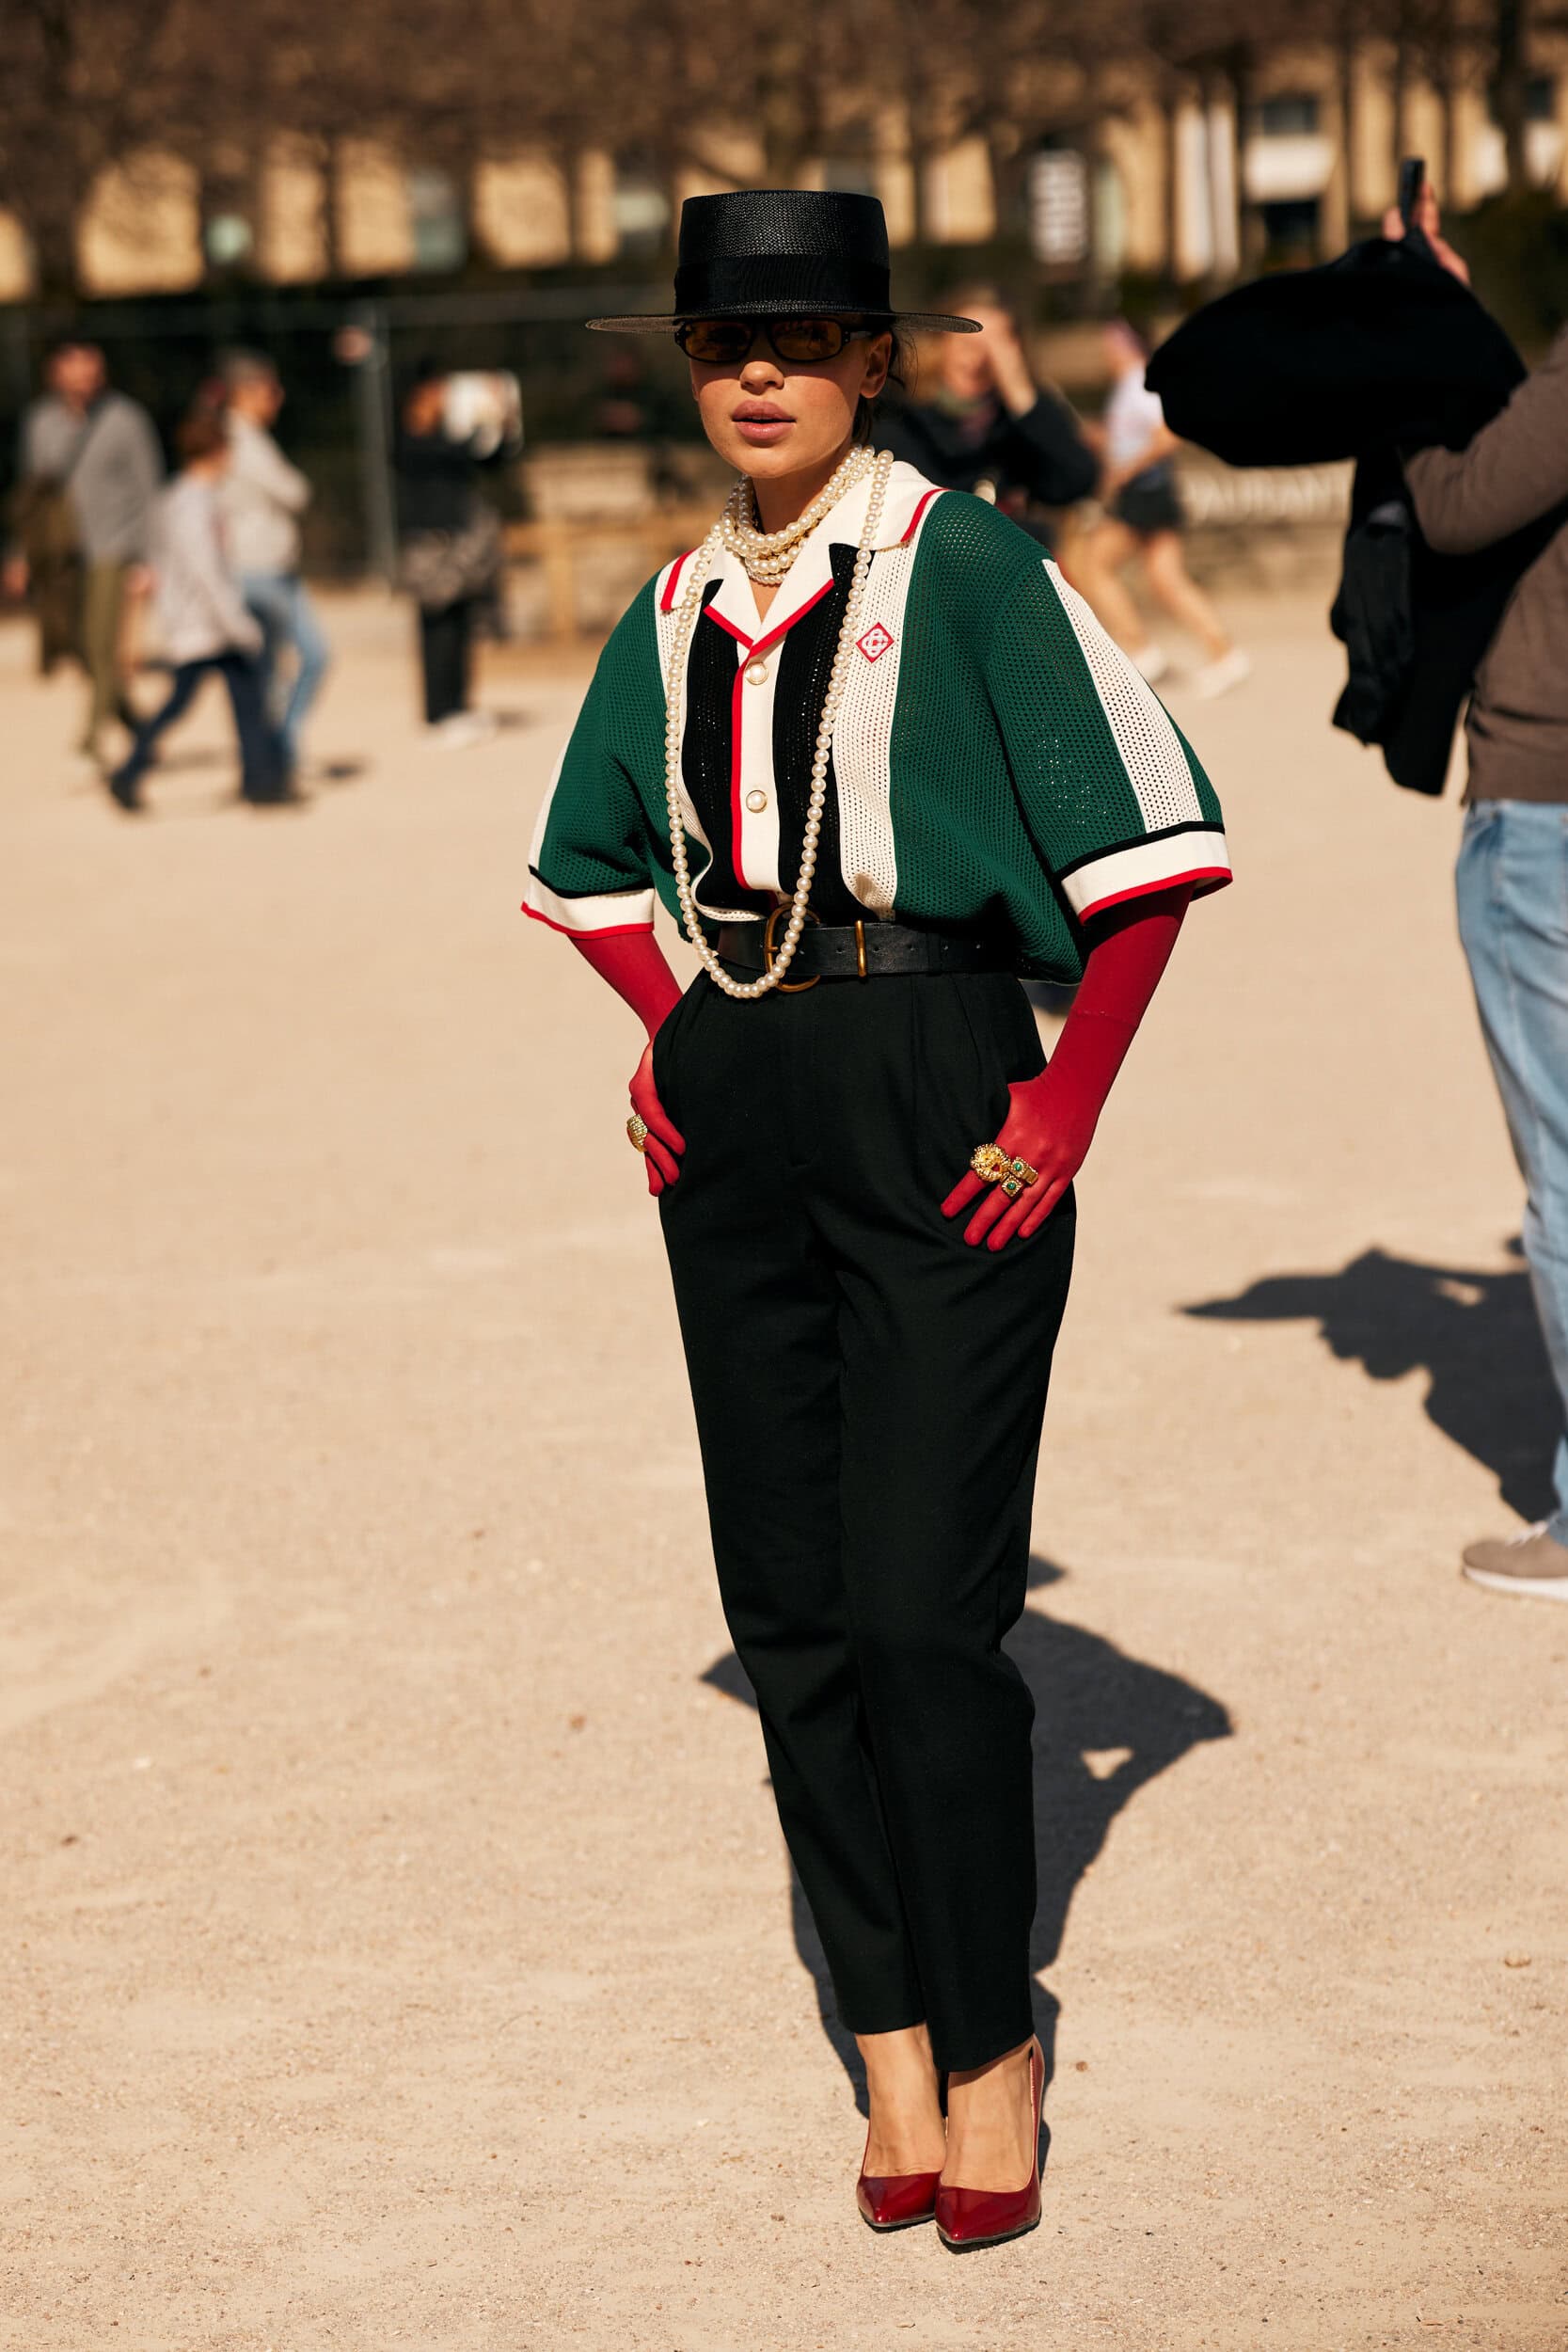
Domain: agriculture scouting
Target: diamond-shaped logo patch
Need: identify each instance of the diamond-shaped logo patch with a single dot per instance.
(874, 643)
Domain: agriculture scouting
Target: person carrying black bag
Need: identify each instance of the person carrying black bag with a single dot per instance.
(451, 552)
(1455, 586)
(1512, 875)
(89, 468)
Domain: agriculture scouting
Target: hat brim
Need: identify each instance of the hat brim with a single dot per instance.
(918, 321)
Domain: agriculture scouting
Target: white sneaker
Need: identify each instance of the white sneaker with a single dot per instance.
(1531, 1562)
(1218, 678)
(461, 729)
(1151, 660)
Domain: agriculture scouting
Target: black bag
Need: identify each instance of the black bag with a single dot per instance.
(1381, 351)
(1371, 618)
(1306, 366)
(43, 521)
(438, 568)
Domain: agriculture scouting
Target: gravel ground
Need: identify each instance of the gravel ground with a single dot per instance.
(400, 1947)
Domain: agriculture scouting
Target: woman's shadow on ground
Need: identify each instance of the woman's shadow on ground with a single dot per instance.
(1106, 1725)
(1474, 1333)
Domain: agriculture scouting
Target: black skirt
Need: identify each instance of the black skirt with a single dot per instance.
(1148, 504)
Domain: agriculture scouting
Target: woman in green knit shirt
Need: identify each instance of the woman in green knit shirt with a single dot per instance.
(877, 759)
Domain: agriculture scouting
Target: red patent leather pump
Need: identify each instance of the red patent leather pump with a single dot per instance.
(896, 2201)
(972, 2218)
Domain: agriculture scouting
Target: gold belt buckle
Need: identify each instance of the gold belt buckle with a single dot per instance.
(786, 987)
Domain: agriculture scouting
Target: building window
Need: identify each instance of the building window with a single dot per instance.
(639, 207)
(439, 232)
(1292, 115)
(1057, 194)
(1540, 98)
(227, 239)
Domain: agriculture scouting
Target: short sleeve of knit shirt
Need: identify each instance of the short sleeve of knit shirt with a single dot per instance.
(1111, 792)
(590, 863)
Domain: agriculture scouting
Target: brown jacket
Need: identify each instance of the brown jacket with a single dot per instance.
(1514, 471)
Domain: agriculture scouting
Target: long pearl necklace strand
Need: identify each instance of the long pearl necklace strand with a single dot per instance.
(854, 469)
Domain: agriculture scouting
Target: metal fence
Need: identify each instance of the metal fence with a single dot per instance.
(342, 360)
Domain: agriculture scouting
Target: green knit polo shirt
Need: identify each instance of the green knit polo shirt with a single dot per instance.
(999, 767)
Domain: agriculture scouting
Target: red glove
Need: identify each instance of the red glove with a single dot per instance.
(1053, 1118)
(633, 963)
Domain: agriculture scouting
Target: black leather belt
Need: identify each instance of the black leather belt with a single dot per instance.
(863, 951)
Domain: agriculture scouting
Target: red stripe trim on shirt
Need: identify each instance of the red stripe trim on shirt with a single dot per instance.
(667, 601)
(737, 694)
(738, 634)
(755, 646)
(766, 645)
(914, 519)
(1212, 877)
(611, 931)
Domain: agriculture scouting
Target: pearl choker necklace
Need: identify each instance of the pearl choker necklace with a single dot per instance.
(768, 554)
(855, 467)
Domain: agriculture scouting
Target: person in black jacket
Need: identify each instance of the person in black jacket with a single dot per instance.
(987, 427)
(450, 548)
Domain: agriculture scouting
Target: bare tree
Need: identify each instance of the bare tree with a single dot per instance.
(79, 94)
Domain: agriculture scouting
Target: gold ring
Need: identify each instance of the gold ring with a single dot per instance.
(638, 1130)
(993, 1166)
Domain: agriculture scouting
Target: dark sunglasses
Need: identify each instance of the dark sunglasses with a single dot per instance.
(725, 343)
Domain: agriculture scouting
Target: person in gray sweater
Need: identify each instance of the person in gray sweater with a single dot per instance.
(1512, 880)
(100, 450)
(203, 621)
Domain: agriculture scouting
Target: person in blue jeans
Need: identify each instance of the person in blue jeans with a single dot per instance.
(202, 622)
(263, 497)
(1513, 880)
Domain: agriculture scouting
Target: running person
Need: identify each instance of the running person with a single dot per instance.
(1143, 523)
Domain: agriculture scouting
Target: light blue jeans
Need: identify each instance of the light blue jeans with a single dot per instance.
(281, 602)
(1512, 886)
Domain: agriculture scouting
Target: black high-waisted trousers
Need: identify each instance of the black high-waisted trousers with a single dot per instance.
(869, 1392)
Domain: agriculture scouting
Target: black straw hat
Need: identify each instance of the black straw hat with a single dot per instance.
(784, 253)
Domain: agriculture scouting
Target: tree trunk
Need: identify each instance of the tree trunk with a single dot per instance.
(1399, 93)
(470, 170)
(51, 228)
(1236, 84)
(1447, 160)
(567, 163)
(1350, 115)
(1010, 166)
(784, 112)
(1170, 160)
(1508, 35)
(1445, 75)
(53, 207)
(920, 146)
(920, 190)
(331, 207)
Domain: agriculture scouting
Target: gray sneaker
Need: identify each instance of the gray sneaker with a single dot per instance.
(1531, 1562)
